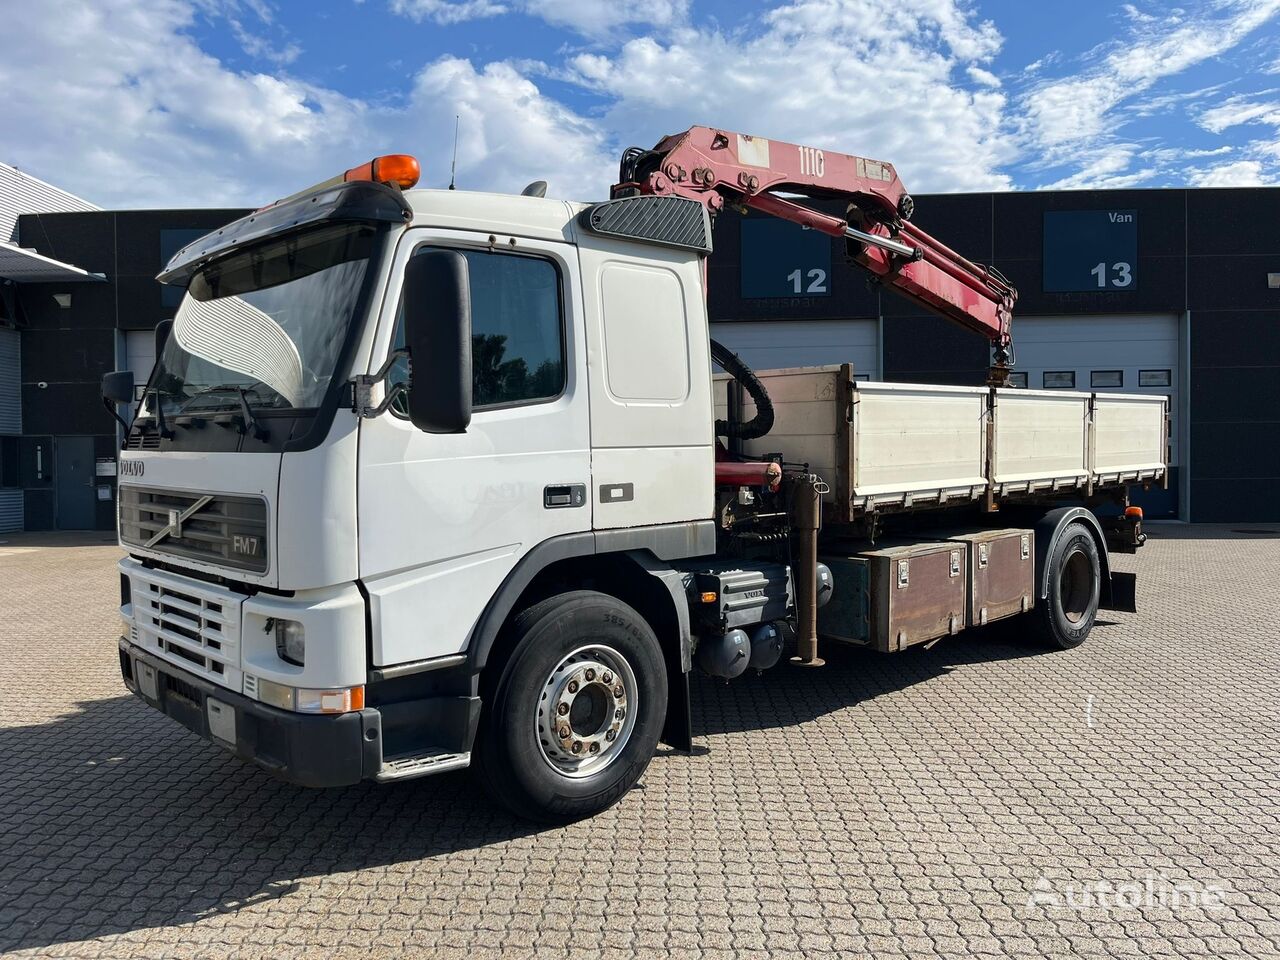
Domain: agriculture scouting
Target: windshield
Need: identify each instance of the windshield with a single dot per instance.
(265, 326)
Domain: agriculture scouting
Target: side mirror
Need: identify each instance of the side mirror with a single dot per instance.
(117, 386)
(437, 333)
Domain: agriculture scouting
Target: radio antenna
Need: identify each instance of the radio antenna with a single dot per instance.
(453, 169)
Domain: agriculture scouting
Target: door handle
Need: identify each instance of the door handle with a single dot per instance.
(559, 496)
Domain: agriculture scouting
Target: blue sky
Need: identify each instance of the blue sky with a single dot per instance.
(235, 102)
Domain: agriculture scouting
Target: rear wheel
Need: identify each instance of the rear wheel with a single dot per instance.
(1065, 617)
(575, 717)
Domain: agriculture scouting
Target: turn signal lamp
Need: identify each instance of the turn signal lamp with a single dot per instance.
(1133, 513)
(398, 168)
(340, 700)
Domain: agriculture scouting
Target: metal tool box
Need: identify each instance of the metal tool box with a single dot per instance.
(1002, 565)
(896, 595)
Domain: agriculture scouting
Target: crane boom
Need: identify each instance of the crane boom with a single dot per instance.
(715, 166)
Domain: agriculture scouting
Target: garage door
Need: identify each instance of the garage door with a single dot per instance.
(774, 344)
(1115, 354)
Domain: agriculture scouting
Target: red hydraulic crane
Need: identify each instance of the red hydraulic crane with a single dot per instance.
(715, 166)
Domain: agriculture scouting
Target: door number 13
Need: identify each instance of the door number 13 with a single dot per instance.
(1121, 274)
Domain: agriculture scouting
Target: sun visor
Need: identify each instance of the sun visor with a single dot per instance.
(357, 201)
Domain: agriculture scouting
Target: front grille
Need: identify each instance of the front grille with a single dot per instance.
(228, 531)
(193, 625)
(137, 440)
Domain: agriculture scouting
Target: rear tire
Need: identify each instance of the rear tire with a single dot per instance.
(1065, 617)
(576, 714)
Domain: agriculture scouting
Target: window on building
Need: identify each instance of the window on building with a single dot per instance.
(1106, 378)
(1059, 380)
(1155, 378)
(1018, 379)
(517, 331)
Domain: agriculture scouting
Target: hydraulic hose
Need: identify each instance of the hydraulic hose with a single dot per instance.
(762, 422)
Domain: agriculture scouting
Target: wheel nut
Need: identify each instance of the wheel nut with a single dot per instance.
(595, 748)
(591, 674)
(573, 686)
(611, 735)
(577, 746)
(607, 677)
(617, 714)
(562, 709)
(564, 732)
(618, 691)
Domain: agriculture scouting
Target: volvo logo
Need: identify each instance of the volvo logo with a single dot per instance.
(133, 468)
(176, 520)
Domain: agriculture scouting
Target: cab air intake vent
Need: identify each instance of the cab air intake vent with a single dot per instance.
(675, 221)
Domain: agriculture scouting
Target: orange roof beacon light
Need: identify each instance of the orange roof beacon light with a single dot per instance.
(1133, 513)
(398, 168)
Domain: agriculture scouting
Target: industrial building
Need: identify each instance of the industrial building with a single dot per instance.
(1166, 291)
(79, 299)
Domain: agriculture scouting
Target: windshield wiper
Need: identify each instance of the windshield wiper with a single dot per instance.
(162, 425)
(246, 412)
(250, 421)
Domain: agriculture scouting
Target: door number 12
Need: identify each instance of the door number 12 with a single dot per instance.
(817, 281)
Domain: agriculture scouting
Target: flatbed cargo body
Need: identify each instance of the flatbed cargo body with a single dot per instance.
(893, 446)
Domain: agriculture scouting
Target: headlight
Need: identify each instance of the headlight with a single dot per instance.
(291, 642)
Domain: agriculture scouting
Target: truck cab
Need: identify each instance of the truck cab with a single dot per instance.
(324, 546)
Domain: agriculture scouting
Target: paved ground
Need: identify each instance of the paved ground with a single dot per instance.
(966, 801)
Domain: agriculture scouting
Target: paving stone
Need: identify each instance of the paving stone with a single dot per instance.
(909, 805)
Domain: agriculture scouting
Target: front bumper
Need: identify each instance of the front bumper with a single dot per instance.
(312, 751)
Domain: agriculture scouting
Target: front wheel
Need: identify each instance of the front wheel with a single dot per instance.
(1066, 616)
(576, 715)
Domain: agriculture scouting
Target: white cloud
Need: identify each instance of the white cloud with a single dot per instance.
(984, 77)
(1241, 173)
(447, 11)
(1238, 110)
(509, 133)
(600, 18)
(1066, 111)
(117, 103)
(591, 18)
(1070, 117)
(1107, 169)
(870, 77)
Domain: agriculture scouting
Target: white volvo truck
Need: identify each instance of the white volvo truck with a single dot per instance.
(426, 479)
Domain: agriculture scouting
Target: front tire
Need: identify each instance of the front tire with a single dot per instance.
(1066, 616)
(575, 717)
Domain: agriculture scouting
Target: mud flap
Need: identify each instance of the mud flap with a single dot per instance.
(1123, 594)
(677, 732)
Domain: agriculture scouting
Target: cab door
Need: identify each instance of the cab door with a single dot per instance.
(445, 517)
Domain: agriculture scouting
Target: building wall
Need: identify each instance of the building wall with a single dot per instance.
(22, 193)
(1203, 255)
(66, 350)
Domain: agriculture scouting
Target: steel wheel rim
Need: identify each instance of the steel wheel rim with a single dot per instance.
(586, 711)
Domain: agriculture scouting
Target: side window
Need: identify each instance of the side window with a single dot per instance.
(517, 331)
